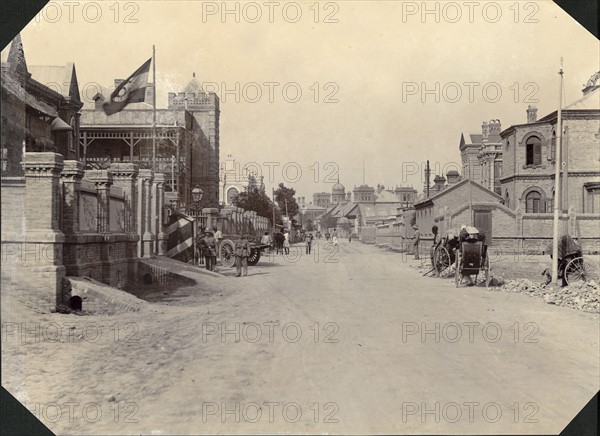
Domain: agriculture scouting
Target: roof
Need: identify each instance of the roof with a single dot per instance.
(60, 78)
(476, 138)
(338, 187)
(379, 210)
(13, 87)
(452, 188)
(193, 87)
(590, 101)
(386, 196)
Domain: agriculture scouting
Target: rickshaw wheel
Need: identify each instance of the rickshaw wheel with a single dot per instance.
(581, 270)
(254, 256)
(227, 253)
(457, 276)
(486, 266)
(442, 260)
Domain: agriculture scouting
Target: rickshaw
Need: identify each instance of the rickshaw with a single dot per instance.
(443, 254)
(471, 257)
(227, 252)
(572, 266)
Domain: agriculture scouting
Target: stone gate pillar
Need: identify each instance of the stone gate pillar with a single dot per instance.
(38, 258)
(125, 177)
(147, 236)
(159, 204)
(71, 176)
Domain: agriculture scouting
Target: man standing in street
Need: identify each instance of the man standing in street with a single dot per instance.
(309, 239)
(242, 251)
(417, 241)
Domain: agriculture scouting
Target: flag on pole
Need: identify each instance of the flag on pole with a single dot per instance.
(132, 90)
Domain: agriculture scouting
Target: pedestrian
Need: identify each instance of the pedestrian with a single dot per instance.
(210, 250)
(309, 239)
(242, 251)
(417, 238)
(286, 242)
(279, 238)
(266, 239)
(334, 238)
(435, 242)
(327, 236)
(200, 244)
(349, 237)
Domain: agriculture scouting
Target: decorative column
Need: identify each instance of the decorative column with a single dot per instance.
(211, 214)
(125, 177)
(159, 204)
(103, 180)
(146, 205)
(38, 257)
(71, 176)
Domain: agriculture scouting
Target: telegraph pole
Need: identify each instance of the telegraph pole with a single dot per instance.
(557, 165)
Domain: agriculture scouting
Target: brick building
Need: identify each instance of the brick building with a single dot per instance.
(40, 109)
(529, 160)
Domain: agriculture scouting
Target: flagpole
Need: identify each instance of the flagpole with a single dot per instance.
(154, 109)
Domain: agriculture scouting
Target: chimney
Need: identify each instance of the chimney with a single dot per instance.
(453, 177)
(484, 131)
(438, 183)
(531, 114)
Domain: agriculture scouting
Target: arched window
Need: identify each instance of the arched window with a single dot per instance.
(534, 203)
(506, 199)
(534, 151)
(231, 194)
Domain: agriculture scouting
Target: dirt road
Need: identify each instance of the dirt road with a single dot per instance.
(354, 341)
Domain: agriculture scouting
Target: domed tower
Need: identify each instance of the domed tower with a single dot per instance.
(338, 193)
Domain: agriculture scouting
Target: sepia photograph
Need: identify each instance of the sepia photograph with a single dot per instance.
(300, 217)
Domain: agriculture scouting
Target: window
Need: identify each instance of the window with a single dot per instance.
(4, 159)
(553, 146)
(534, 203)
(506, 199)
(534, 151)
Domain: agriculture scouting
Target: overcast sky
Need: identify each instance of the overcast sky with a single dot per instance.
(371, 64)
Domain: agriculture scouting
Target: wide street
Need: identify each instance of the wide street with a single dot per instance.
(348, 342)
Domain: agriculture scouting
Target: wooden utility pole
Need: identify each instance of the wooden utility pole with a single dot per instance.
(557, 166)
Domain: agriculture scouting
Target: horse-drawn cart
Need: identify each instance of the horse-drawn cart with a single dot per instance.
(227, 252)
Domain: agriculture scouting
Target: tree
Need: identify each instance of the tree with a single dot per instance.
(328, 222)
(256, 200)
(310, 225)
(285, 198)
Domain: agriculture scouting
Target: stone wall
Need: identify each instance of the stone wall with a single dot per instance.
(61, 220)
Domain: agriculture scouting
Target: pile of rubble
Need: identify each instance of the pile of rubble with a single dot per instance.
(581, 296)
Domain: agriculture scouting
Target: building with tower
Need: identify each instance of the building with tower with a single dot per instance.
(187, 139)
(482, 157)
(234, 179)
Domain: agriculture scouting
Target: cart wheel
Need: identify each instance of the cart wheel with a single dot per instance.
(486, 265)
(254, 256)
(442, 260)
(581, 270)
(457, 275)
(227, 253)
